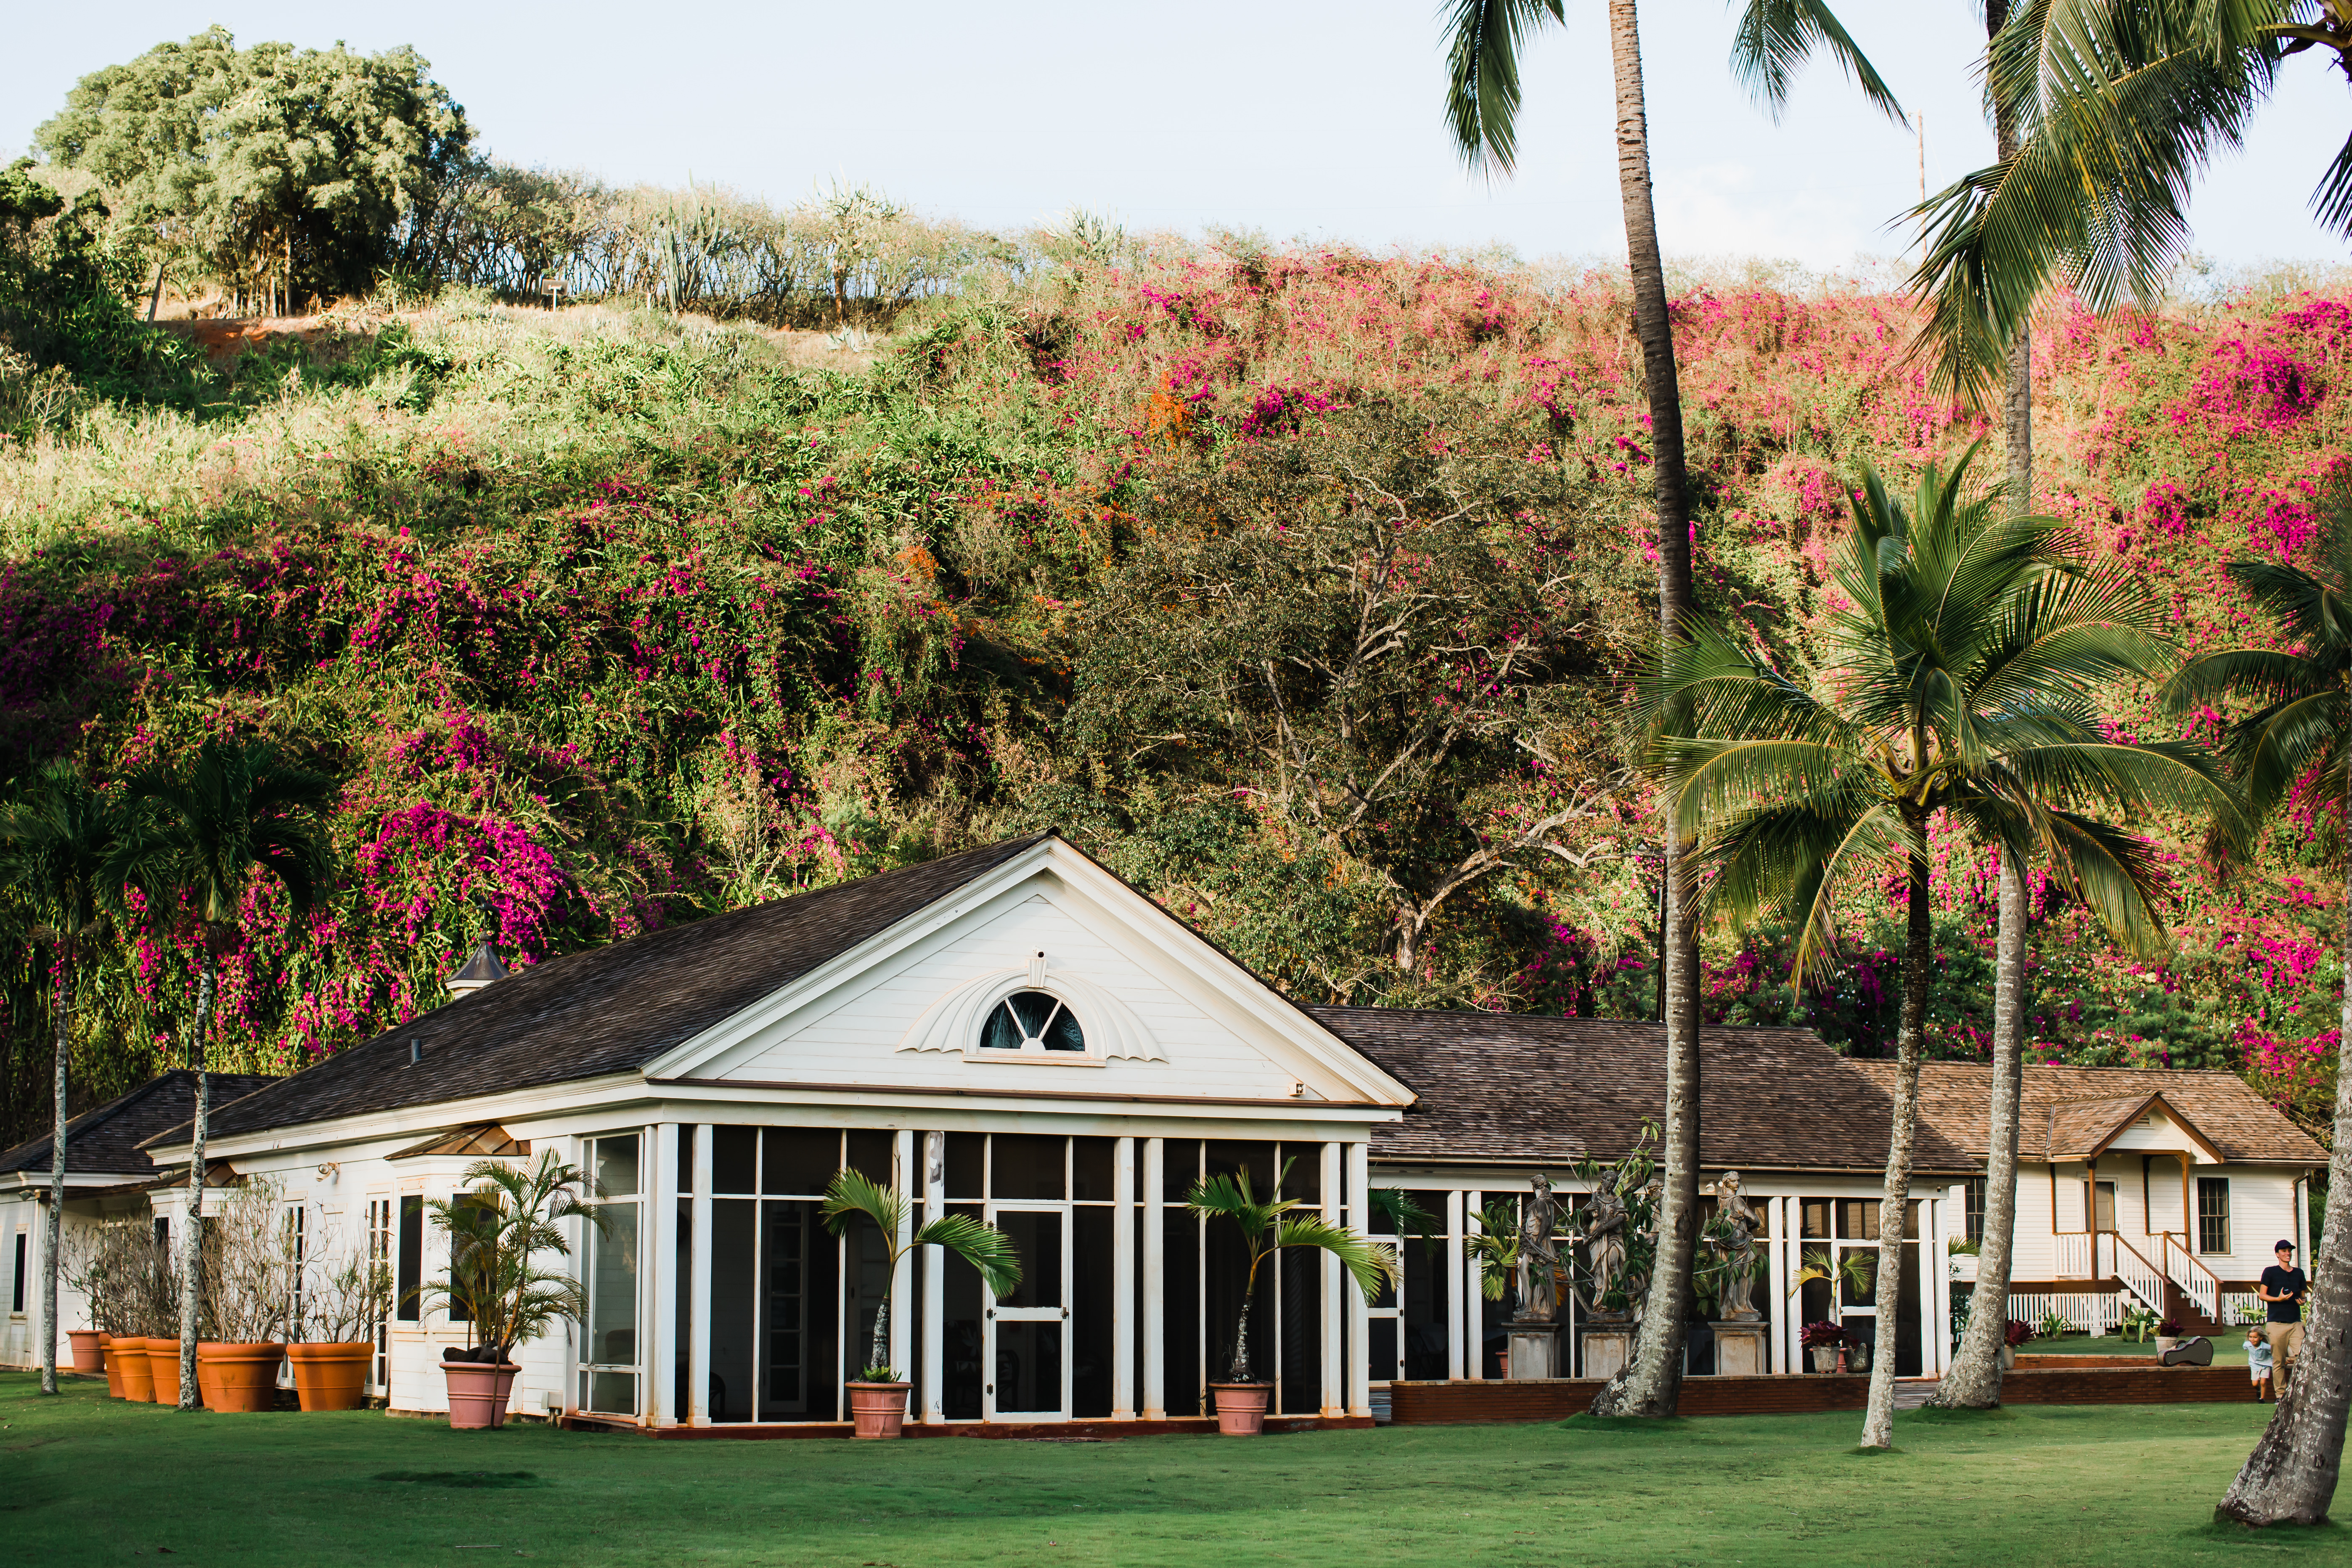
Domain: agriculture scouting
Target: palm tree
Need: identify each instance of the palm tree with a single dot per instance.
(509, 1216)
(977, 1243)
(1482, 106)
(1958, 680)
(1268, 1225)
(240, 810)
(60, 837)
(2121, 104)
(2297, 735)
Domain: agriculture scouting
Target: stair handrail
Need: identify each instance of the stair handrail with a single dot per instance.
(2146, 1282)
(2205, 1291)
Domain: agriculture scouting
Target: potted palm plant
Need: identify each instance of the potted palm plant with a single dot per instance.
(1267, 1226)
(877, 1396)
(498, 1231)
(344, 1297)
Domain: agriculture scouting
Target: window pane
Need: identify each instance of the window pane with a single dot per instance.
(410, 1274)
(734, 1158)
(1091, 1160)
(1036, 1237)
(612, 1288)
(786, 1308)
(799, 1162)
(612, 1392)
(1304, 1180)
(965, 1152)
(1002, 1032)
(2212, 1213)
(1813, 1219)
(1023, 1166)
(1028, 1368)
(616, 1166)
(1033, 1008)
(1063, 1033)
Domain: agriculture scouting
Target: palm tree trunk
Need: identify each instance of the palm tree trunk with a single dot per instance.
(57, 1226)
(191, 1233)
(2290, 1477)
(1652, 1382)
(878, 1352)
(1239, 1369)
(1974, 1381)
(1894, 1201)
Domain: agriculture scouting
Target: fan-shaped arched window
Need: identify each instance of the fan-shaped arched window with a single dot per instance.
(1032, 1021)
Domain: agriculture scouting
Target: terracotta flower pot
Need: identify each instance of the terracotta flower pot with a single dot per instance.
(113, 1360)
(163, 1367)
(129, 1351)
(879, 1408)
(479, 1392)
(239, 1377)
(331, 1376)
(1241, 1407)
(89, 1350)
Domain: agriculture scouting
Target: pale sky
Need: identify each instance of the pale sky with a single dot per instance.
(1312, 119)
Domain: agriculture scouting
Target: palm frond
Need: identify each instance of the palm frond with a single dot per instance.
(855, 1193)
(1372, 1265)
(986, 1248)
(1774, 37)
(1482, 76)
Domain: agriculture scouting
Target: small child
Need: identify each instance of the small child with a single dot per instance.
(2258, 1364)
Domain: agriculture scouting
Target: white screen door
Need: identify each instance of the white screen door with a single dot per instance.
(1028, 1355)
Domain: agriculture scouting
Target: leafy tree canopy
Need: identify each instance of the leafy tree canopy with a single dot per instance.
(256, 159)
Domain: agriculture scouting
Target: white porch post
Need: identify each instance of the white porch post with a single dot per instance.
(935, 1190)
(902, 1278)
(660, 1233)
(1360, 1311)
(1122, 1280)
(1155, 1276)
(1473, 1298)
(1457, 1332)
(698, 1355)
(1777, 1214)
(1335, 1401)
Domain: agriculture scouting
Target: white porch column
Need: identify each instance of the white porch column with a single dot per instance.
(1457, 1331)
(660, 1233)
(1122, 1280)
(1474, 1300)
(697, 1355)
(1335, 1399)
(935, 1296)
(902, 1278)
(1155, 1281)
(1360, 1311)
(1776, 1214)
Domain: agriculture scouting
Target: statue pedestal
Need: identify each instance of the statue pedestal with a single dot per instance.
(1607, 1348)
(1534, 1351)
(1739, 1350)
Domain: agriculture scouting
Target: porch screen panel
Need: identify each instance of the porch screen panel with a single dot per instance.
(682, 1375)
(1426, 1318)
(409, 1276)
(1180, 1301)
(961, 1303)
(734, 1285)
(1092, 1275)
(1301, 1329)
(865, 1261)
(1227, 1267)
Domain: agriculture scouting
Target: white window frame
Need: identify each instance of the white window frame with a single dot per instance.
(585, 1370)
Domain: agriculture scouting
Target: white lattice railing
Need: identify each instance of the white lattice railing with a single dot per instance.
(2075, 1256)
(2196, 1281)
(2088, 1311)
(2236, 1305)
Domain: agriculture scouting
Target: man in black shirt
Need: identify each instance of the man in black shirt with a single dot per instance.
(2283, 1289)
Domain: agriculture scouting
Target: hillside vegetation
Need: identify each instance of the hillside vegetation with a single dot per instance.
(616, 617)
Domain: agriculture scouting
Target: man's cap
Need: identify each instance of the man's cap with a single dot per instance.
(2284, 1246)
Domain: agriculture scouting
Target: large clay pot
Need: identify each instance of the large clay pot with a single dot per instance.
(113, 1360)
(129, 1351)
(479, 1392)
(1241, 1407)
(879, 1408)
(331, 1376)
(163, 1367)
(89, 1350)
(239, 1377)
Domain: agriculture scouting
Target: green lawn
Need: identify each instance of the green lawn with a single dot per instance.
(86, 1479)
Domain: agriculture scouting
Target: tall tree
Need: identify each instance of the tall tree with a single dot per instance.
(57, 845)
(1481, 107)
(2298, 738)
(240, 811)
(1958, 680)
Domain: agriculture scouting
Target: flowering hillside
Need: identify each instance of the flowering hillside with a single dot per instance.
(608, 620)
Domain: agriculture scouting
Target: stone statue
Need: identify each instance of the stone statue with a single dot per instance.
(1601, 1236)
(1734, 1246)
(1538, 1261)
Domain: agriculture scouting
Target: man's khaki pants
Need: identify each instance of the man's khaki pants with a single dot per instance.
(2286, 1343)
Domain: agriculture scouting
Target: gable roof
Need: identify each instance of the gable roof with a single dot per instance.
(482, 1139)
(606, 1010)
(1503, 1088)
(2069, 1113)
(106, 1138)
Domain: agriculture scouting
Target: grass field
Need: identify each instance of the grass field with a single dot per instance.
(86, 1480)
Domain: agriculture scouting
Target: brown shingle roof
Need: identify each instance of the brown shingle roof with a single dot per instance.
(107, 1137)
(607, 1010)
(1542, 1090)
(483, 1140)
(2073, 1110)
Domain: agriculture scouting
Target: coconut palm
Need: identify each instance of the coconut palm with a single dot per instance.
(2298, 736)
(2123, 105)
(240, 811)
(1957, 680)
(986, 1249)
(1482, 104)
(508, 1218)
(57, 844)
(1270, 1225)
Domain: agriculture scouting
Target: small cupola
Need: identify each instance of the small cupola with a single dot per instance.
(482, 969)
